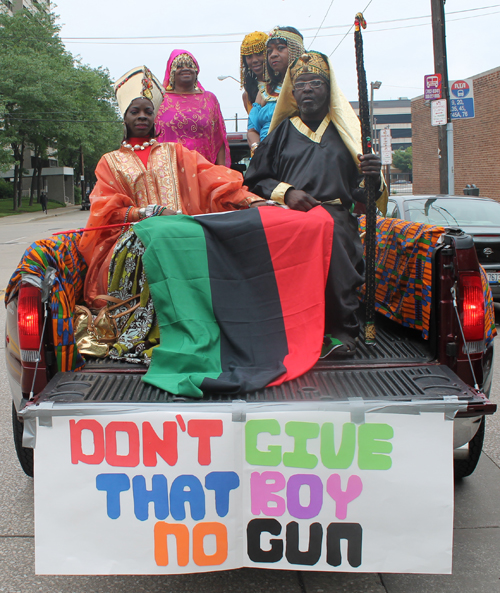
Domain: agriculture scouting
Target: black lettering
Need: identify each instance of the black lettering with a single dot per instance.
(313, 554)
(353, 533)
(254, 530)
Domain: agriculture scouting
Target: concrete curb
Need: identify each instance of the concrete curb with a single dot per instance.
(34, 216)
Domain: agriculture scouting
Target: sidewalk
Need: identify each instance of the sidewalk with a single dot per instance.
(34, 216)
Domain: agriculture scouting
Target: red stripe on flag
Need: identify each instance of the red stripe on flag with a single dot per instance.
(300, 244)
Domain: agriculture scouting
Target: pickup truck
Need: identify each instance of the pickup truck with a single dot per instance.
(455, 362)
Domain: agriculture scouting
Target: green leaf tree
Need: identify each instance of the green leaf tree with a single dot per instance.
(48, 100)
(402, 159)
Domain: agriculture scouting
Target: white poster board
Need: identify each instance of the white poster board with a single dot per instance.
(174, 493)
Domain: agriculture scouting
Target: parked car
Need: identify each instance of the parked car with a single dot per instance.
(478, 217)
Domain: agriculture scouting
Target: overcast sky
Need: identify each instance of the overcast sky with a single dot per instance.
(398, 40)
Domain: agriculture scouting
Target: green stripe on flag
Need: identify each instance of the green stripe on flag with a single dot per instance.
(177, 271)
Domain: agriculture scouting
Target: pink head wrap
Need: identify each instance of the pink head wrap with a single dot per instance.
(173, 55)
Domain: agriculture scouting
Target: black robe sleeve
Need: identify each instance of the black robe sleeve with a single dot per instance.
(263, 177)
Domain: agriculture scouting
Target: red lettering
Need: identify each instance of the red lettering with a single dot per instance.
(153, 445)
(75, 431)
(204, 430)
(131, 459)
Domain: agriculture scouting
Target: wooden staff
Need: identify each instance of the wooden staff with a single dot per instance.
(370, 185)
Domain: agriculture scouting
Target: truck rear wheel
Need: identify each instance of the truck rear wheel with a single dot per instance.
(465, 467)
(24, 454)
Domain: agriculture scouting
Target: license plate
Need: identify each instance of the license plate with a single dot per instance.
(493, 277)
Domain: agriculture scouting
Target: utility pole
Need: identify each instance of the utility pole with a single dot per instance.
(82, 174)
(441, 67)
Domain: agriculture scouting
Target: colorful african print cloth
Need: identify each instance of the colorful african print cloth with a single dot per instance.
(490, 330)
(61, 253)
(139, 330)
(403, 272)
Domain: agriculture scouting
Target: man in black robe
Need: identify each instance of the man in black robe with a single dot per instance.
(313, 159)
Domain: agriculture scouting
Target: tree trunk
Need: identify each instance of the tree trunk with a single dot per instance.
(16, 173)
(20, 182)
(33, 177)
(39, 177)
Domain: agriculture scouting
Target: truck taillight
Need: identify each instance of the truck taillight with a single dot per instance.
(472, 296)
(29, 319)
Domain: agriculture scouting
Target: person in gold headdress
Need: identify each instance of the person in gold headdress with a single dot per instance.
(311, 157)
(284, 45)
(148, 178)
(252, 64)
(189, 114)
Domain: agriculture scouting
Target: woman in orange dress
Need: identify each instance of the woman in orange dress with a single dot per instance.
(147, 178)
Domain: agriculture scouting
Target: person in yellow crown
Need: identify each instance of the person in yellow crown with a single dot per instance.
(311, 158)
(252, 66)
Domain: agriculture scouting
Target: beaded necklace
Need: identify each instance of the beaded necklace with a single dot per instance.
(267, 96)
(138, 146)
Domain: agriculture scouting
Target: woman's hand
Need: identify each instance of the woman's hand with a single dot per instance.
(168, 212)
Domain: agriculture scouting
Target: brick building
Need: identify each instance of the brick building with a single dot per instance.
(474, 142)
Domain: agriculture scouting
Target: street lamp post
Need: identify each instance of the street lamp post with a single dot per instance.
(373, 86)
(223, 77)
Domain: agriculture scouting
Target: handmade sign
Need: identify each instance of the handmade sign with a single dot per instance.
(180, 492)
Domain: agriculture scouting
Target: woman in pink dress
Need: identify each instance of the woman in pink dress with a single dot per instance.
(189, 114)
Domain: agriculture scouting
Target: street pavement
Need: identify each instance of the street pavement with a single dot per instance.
(476, 551)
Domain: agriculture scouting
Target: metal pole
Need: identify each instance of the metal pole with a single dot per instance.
(441, 67)
(451, 159)
(82, 174)
(236, 122)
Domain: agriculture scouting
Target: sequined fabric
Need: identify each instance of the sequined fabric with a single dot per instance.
(195, 121)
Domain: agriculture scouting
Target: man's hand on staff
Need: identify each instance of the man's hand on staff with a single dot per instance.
(296, 199)
(370, 165)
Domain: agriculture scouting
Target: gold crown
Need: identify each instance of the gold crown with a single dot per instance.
(253, 43)
(278, 33)
(311, 62)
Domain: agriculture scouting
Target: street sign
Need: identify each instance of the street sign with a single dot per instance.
(439, 116)
(432, 87)
(386, 146)
(462, 99)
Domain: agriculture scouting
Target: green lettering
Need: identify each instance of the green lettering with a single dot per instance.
(253, 455)
(301, 432)
(345, 456)
(373, 450)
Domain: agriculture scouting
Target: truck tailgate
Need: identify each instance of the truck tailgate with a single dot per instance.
(384, 385)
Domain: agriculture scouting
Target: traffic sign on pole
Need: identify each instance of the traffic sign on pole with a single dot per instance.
(432, 87)
(462, 99)
(386, 146)
(439, 115)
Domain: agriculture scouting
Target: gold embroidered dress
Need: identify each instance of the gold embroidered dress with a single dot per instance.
(175, 177)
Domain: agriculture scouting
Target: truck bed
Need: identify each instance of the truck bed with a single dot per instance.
(399, 368)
